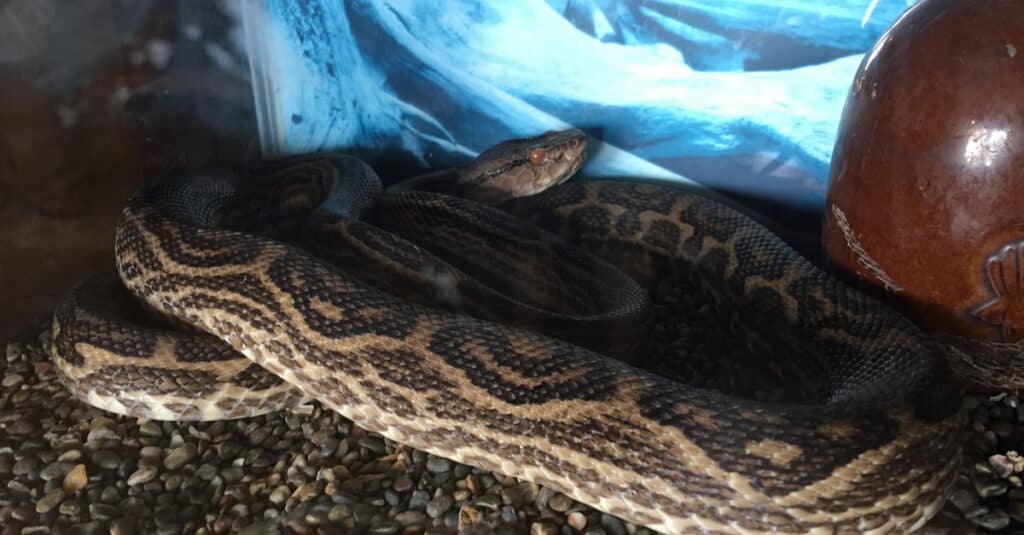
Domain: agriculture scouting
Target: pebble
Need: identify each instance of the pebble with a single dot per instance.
(1015, 509)
(279, 495)
(468, 516)
(577, 520)
(122, 526)
(439, 505)
(402, 484)
(150, 429)
(142, 475)
(411, 518)
(106, 459)
(70, 456)
(26, 466)
(963, 499)
(519, 494)
(988, 486)
(76, 479)
(387, 527)
(110, 495)
(206, 471)
(543, 528)
(560, 502)
(993, 521)
(103, 511)
(55, 470)
(50, 500)
(1001, 465)
(488, 501)
(612, 525)
(419, 499)
(439, 465)
(180, 456)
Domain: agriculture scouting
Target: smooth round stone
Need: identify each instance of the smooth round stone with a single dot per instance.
(76, 478)
(490, 502)
(280, 495)
(576, 520)
(993, 520)
(55, 470)
(926, 184)
(142, 475)
(12, 380)
(26, 466)
(411, 518)
(543, 527)
(151, 452)
(402, 484)
(102, 511)
(106, 459)
(439, 505)
(150, 429)
(180, 456)
(206, 471)
(612, 525)
(70, 456)
(419, 499)
(438, 465)
(387, 527)
(338, 513)
(122, 526)
(560, 502)
(50, 500)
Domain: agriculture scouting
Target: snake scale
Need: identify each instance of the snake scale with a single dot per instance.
(270, 283)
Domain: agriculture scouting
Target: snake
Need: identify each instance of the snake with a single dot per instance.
(252, 288)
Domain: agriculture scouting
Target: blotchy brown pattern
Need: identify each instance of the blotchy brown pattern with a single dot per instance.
(877, 454)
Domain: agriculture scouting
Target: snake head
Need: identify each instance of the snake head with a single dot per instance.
(526, 166)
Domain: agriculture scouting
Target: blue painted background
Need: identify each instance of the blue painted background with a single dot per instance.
(741, 95)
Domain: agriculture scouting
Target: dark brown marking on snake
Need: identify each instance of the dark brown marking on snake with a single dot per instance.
(229, 406)
(335, 391)
(627, 224)
(820, 455)
(255, 377)
(185, 245)
(390, 398)
(130, 240)
(652, 199)
(304, 280)
(601, 439)
(192, 383)
(65, 337)
(187, 411)
(453, 344)
(249, 289)
(405, 368)
(662, 235)
(589, 221)
(716, 223)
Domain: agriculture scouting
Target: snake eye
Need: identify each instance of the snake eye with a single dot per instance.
(538, 156)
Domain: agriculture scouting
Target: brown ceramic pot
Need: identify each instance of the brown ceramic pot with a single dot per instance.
(926, 191)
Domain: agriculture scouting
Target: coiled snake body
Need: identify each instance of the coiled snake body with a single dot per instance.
(220, 252)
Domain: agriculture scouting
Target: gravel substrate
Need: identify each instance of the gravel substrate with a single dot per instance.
(68, 468)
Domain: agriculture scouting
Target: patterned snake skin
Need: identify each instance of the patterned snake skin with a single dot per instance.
(279, 262)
